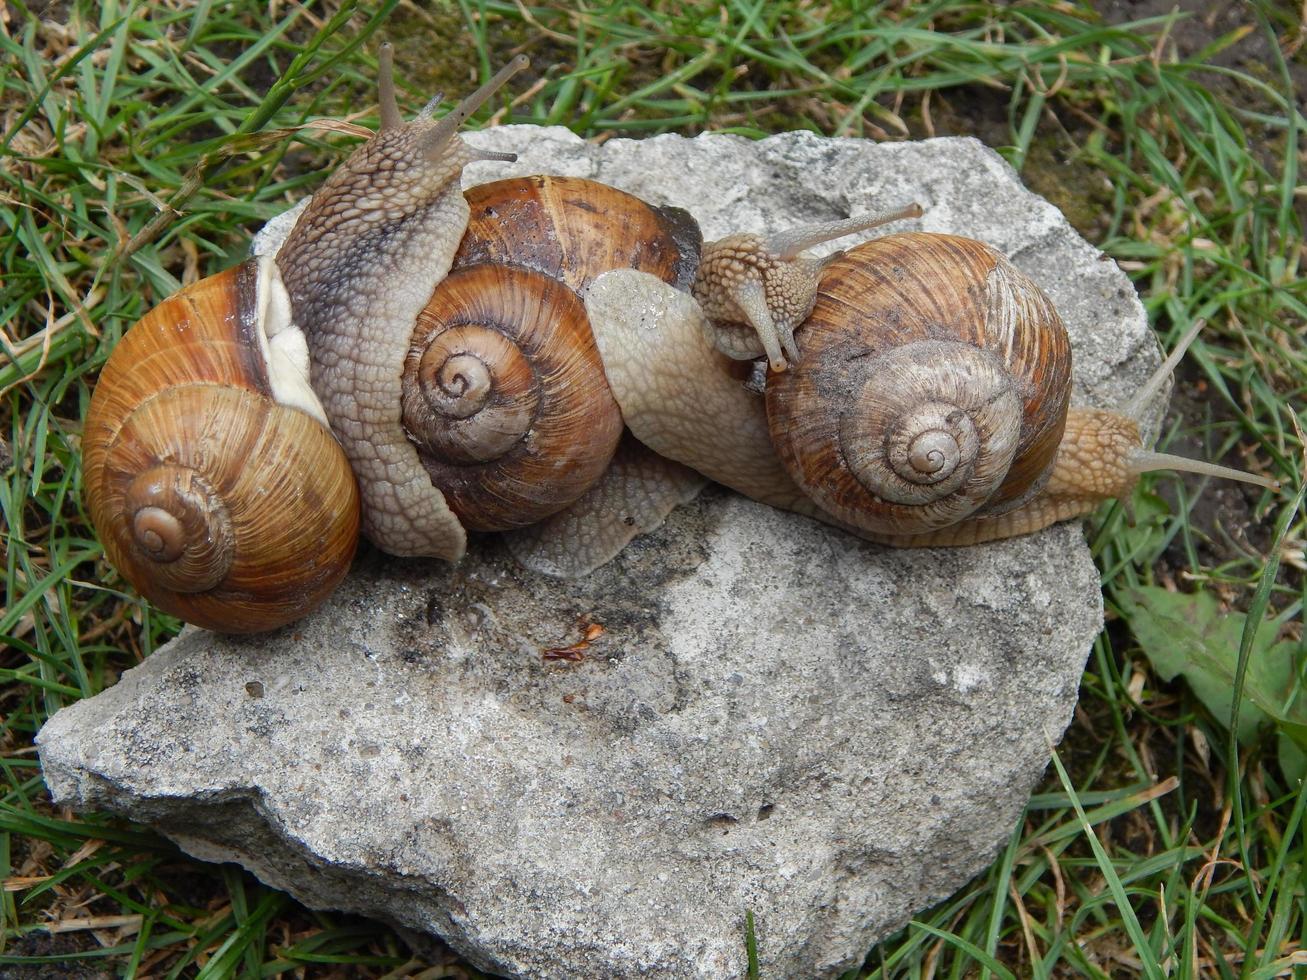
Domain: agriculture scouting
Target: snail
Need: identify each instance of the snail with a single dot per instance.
(503, 391)
(923, 399)
(209, 470)
(450, 344)
(439, 338)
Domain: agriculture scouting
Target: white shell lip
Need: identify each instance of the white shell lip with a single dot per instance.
(285, 351)
(269, 239)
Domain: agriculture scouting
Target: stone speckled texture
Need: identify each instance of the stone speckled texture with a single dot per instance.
(777, 717)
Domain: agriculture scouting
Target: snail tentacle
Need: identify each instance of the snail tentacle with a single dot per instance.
(767, 286)
(388, 106)
(789, 243)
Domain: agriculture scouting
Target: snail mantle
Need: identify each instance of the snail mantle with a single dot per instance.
(745, 712)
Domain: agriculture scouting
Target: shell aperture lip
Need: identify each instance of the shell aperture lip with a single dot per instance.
(285, 350)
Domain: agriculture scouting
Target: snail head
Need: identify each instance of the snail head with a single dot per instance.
(1102, 454)
(756, 290)
(408, 164)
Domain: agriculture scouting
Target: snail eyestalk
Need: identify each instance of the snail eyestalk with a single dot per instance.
(1135, 407)
(786, 245)
(1142, 460)
(768, 285)
(1146, 461)
(387, 106)
(440, 134)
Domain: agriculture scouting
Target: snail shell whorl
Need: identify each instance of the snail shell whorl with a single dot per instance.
(949, 372)
(574, 230)
(505, 396)
(503, 391)
(219, 504)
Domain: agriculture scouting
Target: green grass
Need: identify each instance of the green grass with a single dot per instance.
(141, 143)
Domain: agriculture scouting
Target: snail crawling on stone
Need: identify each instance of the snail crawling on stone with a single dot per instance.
(921, 400)
(447, 341)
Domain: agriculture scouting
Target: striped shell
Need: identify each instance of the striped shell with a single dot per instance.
(933, 385)
(212, 487)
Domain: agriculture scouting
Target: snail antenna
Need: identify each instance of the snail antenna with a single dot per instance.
(1145, 460)
(388, 106)
(788, 244)
(439, 134)
(503, 156)
(752, 301)
(1135, 407)
(432, 105)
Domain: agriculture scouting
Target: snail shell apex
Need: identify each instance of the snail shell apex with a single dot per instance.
(950, 373)
(221, 503)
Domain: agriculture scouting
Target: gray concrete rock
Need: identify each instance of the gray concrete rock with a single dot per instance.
(777, 718)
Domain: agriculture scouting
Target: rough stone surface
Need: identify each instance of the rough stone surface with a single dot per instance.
(777, 718)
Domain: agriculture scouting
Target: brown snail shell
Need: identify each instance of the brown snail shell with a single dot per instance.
(504, 393)
(574, 230)
(934, 384)
(220, 504)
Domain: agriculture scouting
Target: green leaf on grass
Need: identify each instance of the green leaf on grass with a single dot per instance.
(1293, 760)
(1189, 636)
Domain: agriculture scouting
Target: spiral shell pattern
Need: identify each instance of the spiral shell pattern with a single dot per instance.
(933, 385)
(220, 505)
(503, 392)
(505, 397)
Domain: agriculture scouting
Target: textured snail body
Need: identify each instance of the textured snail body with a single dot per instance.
(934, 385)
(215, 487)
